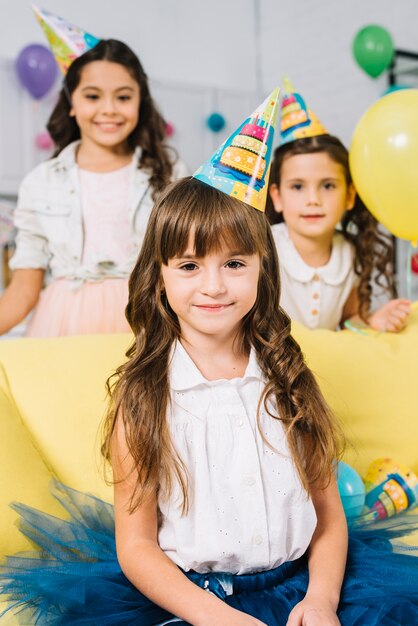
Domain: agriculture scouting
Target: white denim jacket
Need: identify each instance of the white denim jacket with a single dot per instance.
(49, 221)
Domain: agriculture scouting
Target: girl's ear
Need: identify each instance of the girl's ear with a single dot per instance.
(351, 196)
(276, 198)
(71, 112)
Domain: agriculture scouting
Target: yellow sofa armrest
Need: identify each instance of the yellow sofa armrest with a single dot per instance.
(371, 383)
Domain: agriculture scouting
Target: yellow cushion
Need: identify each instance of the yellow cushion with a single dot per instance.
(371, 383)
(59, 387)
(24, 476)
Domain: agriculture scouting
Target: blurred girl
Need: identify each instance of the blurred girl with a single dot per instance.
(81, 216)
(330, 247)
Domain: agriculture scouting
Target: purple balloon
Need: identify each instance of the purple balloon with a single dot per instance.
(36, 68)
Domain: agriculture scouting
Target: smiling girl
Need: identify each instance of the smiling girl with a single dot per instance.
(82, 215)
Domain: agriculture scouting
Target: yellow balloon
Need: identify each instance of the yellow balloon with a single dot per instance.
(384, 162)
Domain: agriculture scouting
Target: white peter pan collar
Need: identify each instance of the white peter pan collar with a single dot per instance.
(185, 375)
(333, 273)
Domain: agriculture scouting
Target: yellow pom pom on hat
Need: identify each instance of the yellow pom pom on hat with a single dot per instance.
(241, 165)
(67, 41)
(297, 121)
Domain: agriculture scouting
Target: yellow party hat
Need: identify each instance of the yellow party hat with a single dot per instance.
(66, 41)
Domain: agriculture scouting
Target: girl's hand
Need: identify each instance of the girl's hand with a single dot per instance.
(312, 613)
(391, 316)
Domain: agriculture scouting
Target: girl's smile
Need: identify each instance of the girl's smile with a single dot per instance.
(212, 307)
(108, 127)
(313, 217)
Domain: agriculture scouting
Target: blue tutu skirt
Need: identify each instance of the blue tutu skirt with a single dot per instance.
(74, 577)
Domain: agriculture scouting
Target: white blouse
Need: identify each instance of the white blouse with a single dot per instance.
(248, 510)
(315, 296)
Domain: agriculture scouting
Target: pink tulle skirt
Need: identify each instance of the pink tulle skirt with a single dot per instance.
(94, 307)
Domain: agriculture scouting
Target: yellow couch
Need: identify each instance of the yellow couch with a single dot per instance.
(52, 401)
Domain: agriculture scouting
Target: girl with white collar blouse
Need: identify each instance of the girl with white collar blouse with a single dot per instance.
(330, 248)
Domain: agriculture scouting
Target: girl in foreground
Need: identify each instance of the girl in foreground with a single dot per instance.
(221, 443)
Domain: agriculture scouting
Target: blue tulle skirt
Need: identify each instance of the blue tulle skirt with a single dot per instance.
(74, 577)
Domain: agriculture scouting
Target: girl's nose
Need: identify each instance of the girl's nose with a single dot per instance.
(313, 197)
(108, 105)
(213, 284)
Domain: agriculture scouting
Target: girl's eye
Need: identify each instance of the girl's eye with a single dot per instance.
(124, 98)
(329, 185)
(234, 265)
(92, 96)
(188, 267)
(296, 186)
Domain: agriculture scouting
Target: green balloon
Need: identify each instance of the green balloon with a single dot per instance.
(373, 49)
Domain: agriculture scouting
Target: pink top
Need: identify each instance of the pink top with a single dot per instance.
(107, 232)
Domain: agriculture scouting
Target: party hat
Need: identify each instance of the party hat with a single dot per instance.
(296, 120)
(66, 41)
(241, 165)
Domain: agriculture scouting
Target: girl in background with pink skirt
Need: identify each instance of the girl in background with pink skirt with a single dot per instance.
(81, 216)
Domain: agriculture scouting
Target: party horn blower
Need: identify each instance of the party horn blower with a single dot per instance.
(391, 488)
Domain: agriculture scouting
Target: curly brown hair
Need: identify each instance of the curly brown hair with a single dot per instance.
(141, 395)
(374, 251)
(150, 131)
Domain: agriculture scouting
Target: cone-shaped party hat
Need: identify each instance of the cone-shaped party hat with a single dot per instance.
(66, 41)
(296, 120)
(241, 165)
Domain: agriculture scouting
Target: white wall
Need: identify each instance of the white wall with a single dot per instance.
(214, 43)
(175, 39)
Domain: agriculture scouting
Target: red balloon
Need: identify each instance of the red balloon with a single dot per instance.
(414, 263)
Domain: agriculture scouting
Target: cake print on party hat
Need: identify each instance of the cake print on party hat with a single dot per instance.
(296, 120)
(66, 41)
(241, 165)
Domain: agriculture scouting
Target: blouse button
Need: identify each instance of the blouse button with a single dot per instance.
(314, 311)
(257, 540)
(315, 296)
(315, 277)
(239, 421)
(250, 480)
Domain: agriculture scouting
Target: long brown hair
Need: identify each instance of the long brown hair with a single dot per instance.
(374, 255)
(141, 395)
(150, 131)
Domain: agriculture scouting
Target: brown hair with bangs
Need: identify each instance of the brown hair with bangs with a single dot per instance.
(373, 248)
(141, 394)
